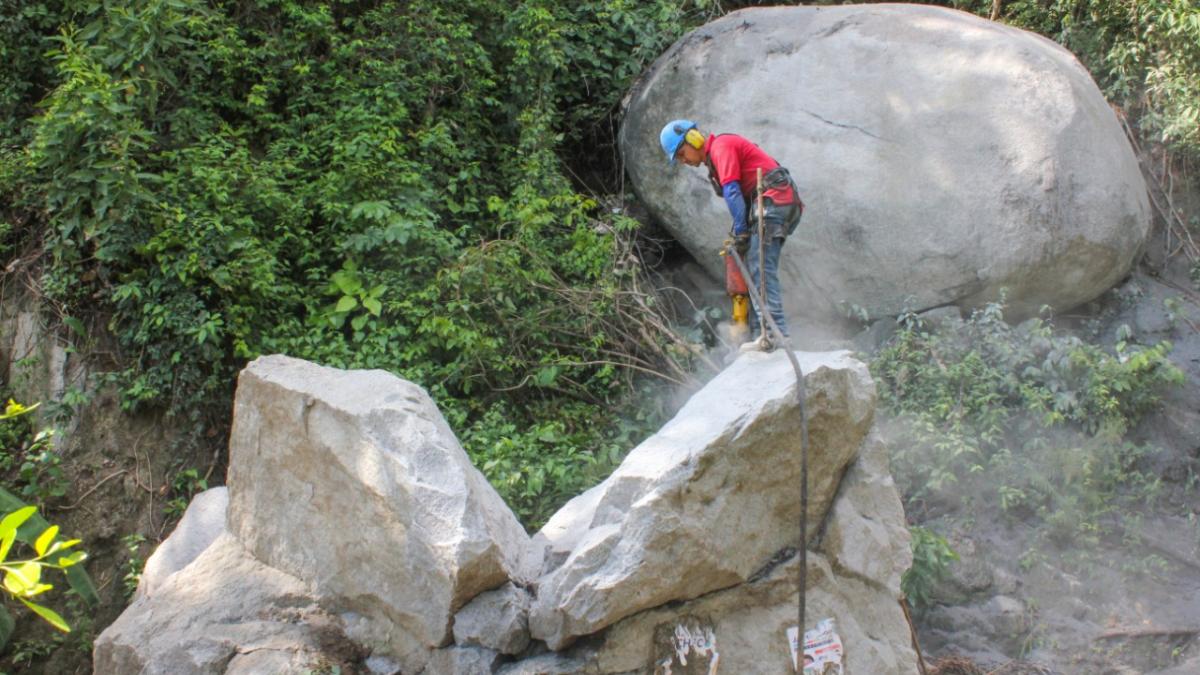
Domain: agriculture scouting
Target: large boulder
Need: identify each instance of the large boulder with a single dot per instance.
(223, 613)
(854, 579)
(353, 482)
(708, 500)
(201, 525)
(942, 157)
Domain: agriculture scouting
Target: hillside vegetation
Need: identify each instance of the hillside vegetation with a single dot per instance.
(430, 188)
(361, 184)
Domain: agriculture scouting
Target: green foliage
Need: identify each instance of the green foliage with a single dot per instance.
(27, 456)
(23, 578)
(39, 479)
(972, 377)
(1023, 421)
(373, 185)
(134, 565)
(538, 467)
(932, 556)
(184, 486)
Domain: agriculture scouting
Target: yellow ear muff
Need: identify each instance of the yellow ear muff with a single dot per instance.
(694, 138)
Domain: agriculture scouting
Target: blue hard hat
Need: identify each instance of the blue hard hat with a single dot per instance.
(672, 137)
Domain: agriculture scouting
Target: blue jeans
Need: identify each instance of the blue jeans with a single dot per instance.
(770, 268)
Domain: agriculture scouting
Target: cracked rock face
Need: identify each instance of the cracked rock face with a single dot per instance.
(941, 157)
(726, 469)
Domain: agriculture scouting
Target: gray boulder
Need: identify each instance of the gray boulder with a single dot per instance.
(706, 501)
(352, 482)
(223, 613)
(455, 660)
(497, 620)
(942, 157)
(865, 533)
(750, 623)
(200, 526)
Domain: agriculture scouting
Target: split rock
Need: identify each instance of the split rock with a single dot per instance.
(706, 501)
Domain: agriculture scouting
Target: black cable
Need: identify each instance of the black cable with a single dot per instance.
(781, 340)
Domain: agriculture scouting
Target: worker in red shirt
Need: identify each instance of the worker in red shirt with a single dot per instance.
(733, 163)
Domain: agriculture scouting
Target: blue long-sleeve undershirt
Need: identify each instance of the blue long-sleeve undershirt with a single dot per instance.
(737, 205)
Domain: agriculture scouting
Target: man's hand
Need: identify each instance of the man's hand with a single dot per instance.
(741, 244)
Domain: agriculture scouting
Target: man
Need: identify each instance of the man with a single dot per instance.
(733, 163)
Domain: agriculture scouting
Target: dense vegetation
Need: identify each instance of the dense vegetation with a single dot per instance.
(363, 184)
(1023, 423)
(386, 184)
(427, 187)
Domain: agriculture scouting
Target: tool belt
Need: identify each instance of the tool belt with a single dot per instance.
(777, 179)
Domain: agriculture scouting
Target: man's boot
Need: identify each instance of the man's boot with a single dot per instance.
(762, 344)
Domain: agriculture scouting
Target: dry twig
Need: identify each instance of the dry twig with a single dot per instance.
(95, 487)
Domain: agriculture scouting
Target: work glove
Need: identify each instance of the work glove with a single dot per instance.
(741, 244)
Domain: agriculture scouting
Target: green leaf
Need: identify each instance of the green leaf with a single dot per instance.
(43, 542)
(21, 579)
(346, 304)
(546, 376)
(6, 544)
(373, 306)
(75, 325)
(64, 545)
(48, 614)
(81, 583)
(15, 519)
(70, 559)
(347, 282)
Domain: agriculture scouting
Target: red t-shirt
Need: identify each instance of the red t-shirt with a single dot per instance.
(735, 158)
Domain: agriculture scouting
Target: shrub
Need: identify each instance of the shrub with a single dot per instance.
(932, 556)
(1021, 420)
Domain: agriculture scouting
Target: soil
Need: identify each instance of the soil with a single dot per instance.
(121, 470)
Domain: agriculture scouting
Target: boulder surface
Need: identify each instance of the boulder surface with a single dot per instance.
(708, 500)
(223, 613)
(496, 620)
(941, 157)
(354, 483)
(201, 525)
